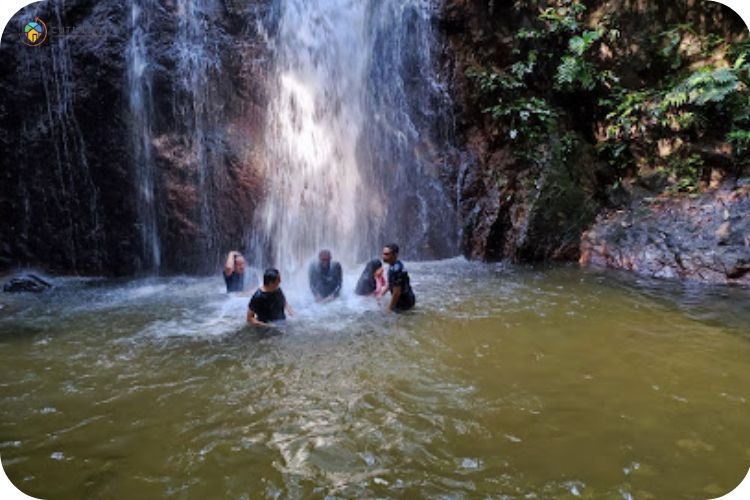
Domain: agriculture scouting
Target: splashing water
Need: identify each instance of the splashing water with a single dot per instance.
(343, 136)
(316, 116)
(549, 383)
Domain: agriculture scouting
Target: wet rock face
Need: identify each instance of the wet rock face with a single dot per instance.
(508, 209)
(62, 202)
(705, 239)
(525, 214)
(68, 185)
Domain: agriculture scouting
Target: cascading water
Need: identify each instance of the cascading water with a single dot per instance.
(343, 130)
(410, 137)
(75, 202)
(189, 125)
(347, 150)
(139, 85)
(316, 195)
(197, 60)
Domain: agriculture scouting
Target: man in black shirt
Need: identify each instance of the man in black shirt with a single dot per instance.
(234, 272)
(268, 303)
(402, 296)
(325, 277)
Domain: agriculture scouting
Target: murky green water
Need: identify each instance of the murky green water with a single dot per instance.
(504, 382)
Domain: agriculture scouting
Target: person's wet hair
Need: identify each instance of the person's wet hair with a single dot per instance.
(271, 276)
(373, 266)
(393, 248)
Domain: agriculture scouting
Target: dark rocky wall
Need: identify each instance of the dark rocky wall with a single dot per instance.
(67, 198)
(64, 193)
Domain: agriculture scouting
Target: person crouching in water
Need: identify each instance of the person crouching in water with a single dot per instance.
(402, 296)
(325, 277)
(268, 303)
(234, 272)
(372, 281)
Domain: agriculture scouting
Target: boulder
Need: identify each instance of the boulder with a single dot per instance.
(702, 239)
(28, 283)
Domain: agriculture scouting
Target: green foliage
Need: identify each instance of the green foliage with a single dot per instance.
(576, 71)
(740, 54)
(523, 119)
(564, 18)
(487, 83)
(700, 103)
(529, 34)
(670, 42)
(686, 172)
(522, 69)
(578, 45)
(704, 86)
(529, 122)
(683, 42)
(740, 141)
(623, 124)
(528, 100)
(616, 154)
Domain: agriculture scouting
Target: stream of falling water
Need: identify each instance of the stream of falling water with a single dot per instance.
(197, 58)
(139, 85)
(342, 138)
(316, 194)
(74, 198)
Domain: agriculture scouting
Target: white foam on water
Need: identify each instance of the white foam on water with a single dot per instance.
(204, 309)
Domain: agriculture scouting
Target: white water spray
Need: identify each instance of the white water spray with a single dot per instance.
(354, 107)
(316, 195)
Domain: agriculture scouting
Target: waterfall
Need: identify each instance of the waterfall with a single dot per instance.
(316, 196)
(140, 102)
(410, 138)
(197, 60)
(76, 205)
(350, 157)
(192, 54)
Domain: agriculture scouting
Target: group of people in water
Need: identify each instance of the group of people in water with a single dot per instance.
(268, 304)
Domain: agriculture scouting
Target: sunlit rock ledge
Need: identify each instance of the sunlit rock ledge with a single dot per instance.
(702, 239)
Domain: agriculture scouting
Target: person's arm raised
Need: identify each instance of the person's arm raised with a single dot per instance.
(229, 264)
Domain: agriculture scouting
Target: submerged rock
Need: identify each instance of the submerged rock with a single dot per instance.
(704, 239)
(28, 283)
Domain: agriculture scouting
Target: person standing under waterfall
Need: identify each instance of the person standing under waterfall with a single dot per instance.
(325, 277)
(234, 272)
(402, 296)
